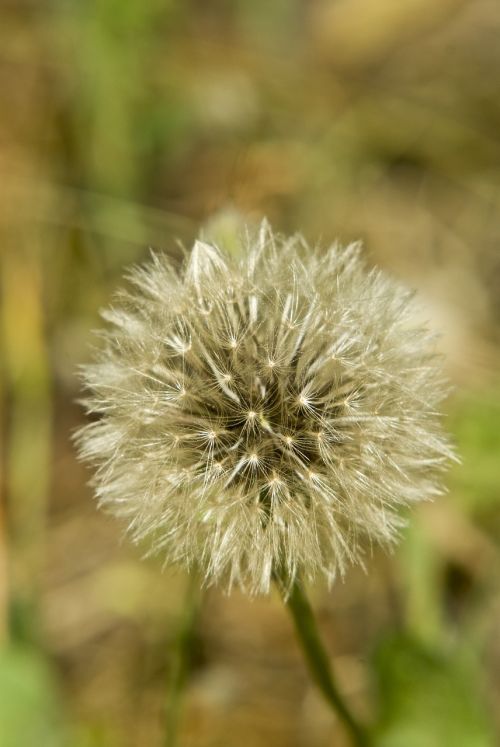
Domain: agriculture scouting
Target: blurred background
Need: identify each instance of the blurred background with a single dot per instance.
(126, 124)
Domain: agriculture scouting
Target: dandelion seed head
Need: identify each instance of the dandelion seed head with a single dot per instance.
(267, 412)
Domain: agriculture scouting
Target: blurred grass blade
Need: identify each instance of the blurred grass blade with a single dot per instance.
(429, 699)
(182, 658)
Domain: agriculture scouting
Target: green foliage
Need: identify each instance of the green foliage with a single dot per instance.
(429, 699)
(29, 708)
(474, 423)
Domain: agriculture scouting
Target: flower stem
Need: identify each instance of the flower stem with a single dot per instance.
(317, 659)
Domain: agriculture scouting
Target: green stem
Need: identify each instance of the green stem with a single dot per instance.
(182, 659)
(317, 659)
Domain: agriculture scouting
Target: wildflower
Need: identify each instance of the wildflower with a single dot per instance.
(264, 413)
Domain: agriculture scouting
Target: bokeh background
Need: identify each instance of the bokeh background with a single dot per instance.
(126, 124)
